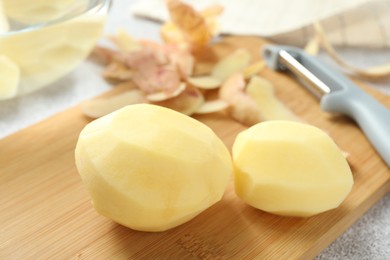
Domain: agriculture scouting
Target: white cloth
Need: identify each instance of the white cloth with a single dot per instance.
(347, 22)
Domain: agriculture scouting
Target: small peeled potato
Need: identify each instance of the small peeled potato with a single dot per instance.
(151, 168)
(290, 168)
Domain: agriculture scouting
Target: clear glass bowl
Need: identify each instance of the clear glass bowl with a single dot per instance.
(41, 41)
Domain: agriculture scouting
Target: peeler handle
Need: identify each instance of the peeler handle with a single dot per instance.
(372, 117)
(337, 93)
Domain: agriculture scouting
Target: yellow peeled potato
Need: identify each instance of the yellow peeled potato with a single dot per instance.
(38, 11)
(290, 168)
(51, 52)
(151, 168)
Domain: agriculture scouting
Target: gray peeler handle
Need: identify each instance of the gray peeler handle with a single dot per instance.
(372, 117)
(343, 96)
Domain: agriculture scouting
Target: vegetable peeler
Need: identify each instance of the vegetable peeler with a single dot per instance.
(336, 93)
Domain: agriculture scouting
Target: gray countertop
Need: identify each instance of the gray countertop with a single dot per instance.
(368, 238)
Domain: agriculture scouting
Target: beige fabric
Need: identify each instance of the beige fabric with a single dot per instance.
(347, 22)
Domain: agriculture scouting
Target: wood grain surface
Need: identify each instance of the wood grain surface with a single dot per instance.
(45, 212)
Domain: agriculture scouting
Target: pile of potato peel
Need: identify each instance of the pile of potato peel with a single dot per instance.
(163, 73)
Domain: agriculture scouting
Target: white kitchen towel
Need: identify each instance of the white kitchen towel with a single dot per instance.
(348, 22)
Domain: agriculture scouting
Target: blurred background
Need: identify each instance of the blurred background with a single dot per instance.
(366, 43)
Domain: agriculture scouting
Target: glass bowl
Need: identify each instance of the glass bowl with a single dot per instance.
(41, 41)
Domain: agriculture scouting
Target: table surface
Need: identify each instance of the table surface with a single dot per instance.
(368, 238)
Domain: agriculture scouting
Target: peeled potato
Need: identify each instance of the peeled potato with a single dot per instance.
(150, 168)
(38, 11)
(290, 168)
(51, 52)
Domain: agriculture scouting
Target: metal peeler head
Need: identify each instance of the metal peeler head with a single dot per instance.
(286, 58)
(271, 54)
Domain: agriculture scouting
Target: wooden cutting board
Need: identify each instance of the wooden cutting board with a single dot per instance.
(45, 212)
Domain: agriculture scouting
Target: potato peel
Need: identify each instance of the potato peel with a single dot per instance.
(126, 84)
(117, 71)
(160, 96)
(244, 110)
(375, 72)
(205, 82)
(125, 42)
(103, 55)
(233, 63)
(100, 107)
(163, 73)
(212, 11)
(159, 79)
(212, 106)
(183, 61)
(210, 14)
(262, 92)
(171, 34)
(233, 86)
(146, 59)
(242, 107)
(191, 23)
(313, 46)
(253, 69)
(151, 75)
(187, 102)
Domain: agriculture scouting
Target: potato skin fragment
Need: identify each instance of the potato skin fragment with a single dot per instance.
(253, 69)
(212, 106)
(187, 102)
(231, 64)
(163, 95)
(205, 82)
(242, 107)
(190, 22)
(261, 91)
